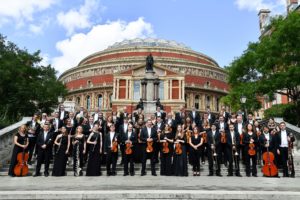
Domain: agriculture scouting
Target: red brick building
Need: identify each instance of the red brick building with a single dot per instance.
(111, 79)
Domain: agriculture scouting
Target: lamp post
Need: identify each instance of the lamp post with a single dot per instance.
(243, 100)
(60, 100)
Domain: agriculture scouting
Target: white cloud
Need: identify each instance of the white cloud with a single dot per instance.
(79, 19)
(256, 5)
(98, 38)
(38, 28)
(21, 11)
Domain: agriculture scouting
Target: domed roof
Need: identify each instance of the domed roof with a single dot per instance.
(148, 42)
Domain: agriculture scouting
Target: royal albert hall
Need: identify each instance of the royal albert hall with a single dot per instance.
(112, 78)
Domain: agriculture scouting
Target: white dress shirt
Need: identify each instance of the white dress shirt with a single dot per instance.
(62, 115)
(111, 134)
(149, 132)
(284, 140)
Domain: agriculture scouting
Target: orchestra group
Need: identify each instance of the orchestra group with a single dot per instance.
(90, 141)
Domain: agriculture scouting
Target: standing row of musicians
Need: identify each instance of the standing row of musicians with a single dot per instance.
(187, 139)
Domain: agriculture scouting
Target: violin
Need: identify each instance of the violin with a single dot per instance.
(149, 148)
(188, 135)
(204, 136)
(114, 147)
(178, 148)
(128, 150)
(251, 150)
(166, 147)
(223, 138)
(21, 169)
(269, 169)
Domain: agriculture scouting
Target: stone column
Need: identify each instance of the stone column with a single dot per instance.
(156, 89)
(144, 84)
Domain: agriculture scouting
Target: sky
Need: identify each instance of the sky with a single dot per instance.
(66, 31)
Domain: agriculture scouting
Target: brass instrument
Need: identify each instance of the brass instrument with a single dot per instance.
(214, 154)
(235, 153)
(290, 156)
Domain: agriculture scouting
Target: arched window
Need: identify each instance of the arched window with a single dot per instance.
(218, 104)
(207, 101)
(100, 101)
(197, 98)
(78, 100)
(88, 102)
(110, 100)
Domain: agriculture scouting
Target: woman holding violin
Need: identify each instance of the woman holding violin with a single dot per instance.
(61, 155)
(250, 140)
(166, 140)
(180, 165)
(196, 141)
(21, 142)
(204, 148)
(79, 148)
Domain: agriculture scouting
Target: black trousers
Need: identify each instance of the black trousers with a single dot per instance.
(43, 156)
(111, 162)
(233, 160)
(248, 160)
(122, 149)
(211, 161)
(284, 159)
(144, 159)
(128, 159)
(196, 154)
(31, 147)
(166, 164)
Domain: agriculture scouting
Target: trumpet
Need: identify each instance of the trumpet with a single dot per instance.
(235, 154)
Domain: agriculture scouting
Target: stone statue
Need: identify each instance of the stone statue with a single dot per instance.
(140, 104)
(149, 63)
(158, 104)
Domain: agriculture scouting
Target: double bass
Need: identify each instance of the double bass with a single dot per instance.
(21, 169)
(269, 169)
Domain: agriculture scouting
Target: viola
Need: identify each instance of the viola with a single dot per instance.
(21, 169)
(204, 136)
(178, 148)
(114, 147)
(128, 150)
(251, 150)
(269, 169)
(149, 148)
(223, 138)
(166, 147)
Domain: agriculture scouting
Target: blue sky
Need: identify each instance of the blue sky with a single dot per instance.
(68, 30)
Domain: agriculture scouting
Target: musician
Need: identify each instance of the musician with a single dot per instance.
(180, 116)
(79, 150)
(44, 145)
(95, 151)
(225, 114)
(223, 157)
(73, 120)
(159, 126)
(204, 148)
(232, 119)
(160, 113)
(166, 140)
(250, 138)
(250, 119)
(102, 123)
(123, 114)
(222, 124)
(122, 131)
(63, 114)
(257, 130)
(57, 123)
(272, 125)
(195, 116)
(33, 131)
(138, 150)
(158, 104)
(129, 139)
(267, 140)
(233, 145)
(171, 122)
(21, 143)
(140, 105)
(196, 141)
(211, 117)
(61, 155)
(96, 114)
(180, 164)
(70, 128)
(213, 151)
(111, 157)
(80, 113)
(43, 119)
(283, 140)
(148, 135)
(239, 127)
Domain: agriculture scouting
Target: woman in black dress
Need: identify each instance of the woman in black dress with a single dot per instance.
(195, 143)
(250, 140)
(61, 155)
(138, 151)
(166, 138)
(180, 165)
(95, 151)
(79, 147)
(21, 143)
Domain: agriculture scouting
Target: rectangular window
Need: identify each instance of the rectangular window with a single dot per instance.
(161, 90)
(136, 90)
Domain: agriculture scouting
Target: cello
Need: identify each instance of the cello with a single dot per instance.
(21, 169)
(269, 169)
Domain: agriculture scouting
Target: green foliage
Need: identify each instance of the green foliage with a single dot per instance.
(289, 112)
(25, 86)
(276, 110)
(269, 66)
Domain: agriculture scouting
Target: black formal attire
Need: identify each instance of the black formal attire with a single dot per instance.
(213, 140)
(246, 141)
(128, 158)
(180, 163)
(166, 158)
(122, 131)
(60, 160)
(145, 134)
(233, 140)
(57, 123)
(94, 156)
(44, 155)
(78, 155)
(32, 149)
(13, 161)
(160, 126)
(63, 115)
(195, 117)
(111, 157)
(195, 153)
(180, 117)
(161, 114)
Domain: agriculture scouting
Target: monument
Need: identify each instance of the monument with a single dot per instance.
(150, 87)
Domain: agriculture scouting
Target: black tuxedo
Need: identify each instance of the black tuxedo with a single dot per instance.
(143, 137)
(129, 158)
(162, 115)
(122, 132)
(195, 117)
(44, 155)
(272, 143)
(229, 151)
(225, 126)
(213, 140)
(226, 116)
(111, 157)
(32, 138)
(180, 117)
(66, 115)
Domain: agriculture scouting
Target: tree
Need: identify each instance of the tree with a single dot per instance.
(269, 66)
(25, 86)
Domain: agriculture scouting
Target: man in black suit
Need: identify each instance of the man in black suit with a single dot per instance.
(159, 126)
(57, 123)
(148, 134)
(102, 123)
(130, 137)
(171, 122)
(63, 114)
(283, 140)
(111, 157)
(123, 115)
(195, 116)
(44, 144)
(233, 142)
(213, 149)
(225, 114)
(222, 124)
(239, 127)
(160, 113)
(268, 141)
(210, 116)
(180, 116)
(122, 130)
(34, 130)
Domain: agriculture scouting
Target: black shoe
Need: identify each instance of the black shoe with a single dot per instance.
(254, 175)
(75, 174)
(29, 162)
(132, 174)
(218, 174)
(36, 174)
(154, 174)
(46, 174)
(239, 175)
(210, 174)
(143, 174)
(229, 174)
(108, 174)
(125, 174)
(248, 175)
